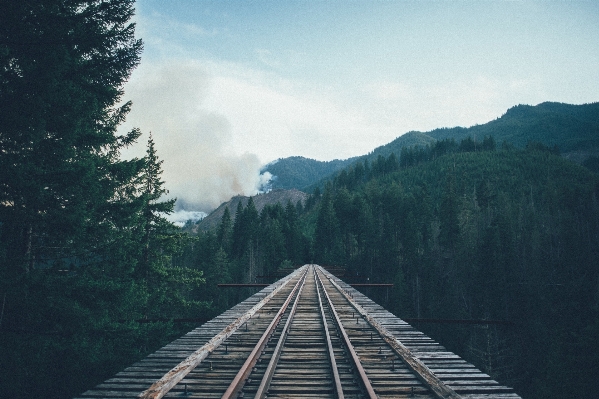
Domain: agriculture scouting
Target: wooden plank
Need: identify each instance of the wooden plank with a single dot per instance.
(172, 378)
(468, 381)
(422, 371)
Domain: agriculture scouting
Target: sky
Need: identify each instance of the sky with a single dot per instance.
(225, 87)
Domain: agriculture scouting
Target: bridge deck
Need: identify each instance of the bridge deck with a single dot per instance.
(398, 360)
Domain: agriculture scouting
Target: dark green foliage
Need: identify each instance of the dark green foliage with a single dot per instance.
(62, 68)
(326, 241)
(466, 231)
(85, 249)
(259, 244)
(592, 163)
(572, 130)
(300, 172)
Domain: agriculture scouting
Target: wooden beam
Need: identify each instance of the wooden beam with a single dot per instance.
(242, 285)
(438, 387)
(371, 285)
(459, 321)
(172, 378)
(266, 285)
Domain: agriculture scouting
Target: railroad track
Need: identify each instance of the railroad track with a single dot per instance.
(310, 338)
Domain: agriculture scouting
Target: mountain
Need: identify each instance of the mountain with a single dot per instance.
(299, 172)
(277, 196)
(574, 129)
(463, 232)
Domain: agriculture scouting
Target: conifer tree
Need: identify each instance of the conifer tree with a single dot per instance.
(326, 239)
(239, 231)
(225, 231)
(155, 226)
(62, 69)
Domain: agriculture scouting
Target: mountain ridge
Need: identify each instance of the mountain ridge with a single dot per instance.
(276, 196)
(574, 129)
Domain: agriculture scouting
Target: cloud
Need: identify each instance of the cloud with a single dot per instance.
(285, 117)
(215, 123)
(200, 168)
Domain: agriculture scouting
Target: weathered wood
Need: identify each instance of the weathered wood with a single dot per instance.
(354, 356)
(304, 368)
(245, 370)
(427, 376)
(170, 379)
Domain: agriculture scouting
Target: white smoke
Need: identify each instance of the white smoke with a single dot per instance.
(181, 216)
(199, 167)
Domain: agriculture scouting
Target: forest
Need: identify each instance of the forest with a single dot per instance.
(93, 277)
(463, 231)
(84, 246)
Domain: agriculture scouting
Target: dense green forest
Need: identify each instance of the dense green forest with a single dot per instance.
(572, 128)
(465, 231)
(85, 250)
(299, 172)
(92, 275)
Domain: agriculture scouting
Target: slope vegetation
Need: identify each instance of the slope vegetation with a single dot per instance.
(573, 129)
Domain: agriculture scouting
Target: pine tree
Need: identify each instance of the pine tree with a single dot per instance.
(326, 240)
(239, 232)
(448, 215)
(157, 231)
(225, 231)
(292, 234)
(62, 68)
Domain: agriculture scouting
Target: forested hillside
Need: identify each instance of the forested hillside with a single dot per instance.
(299, 172)
(572, 129)
(505, 235)
(464, 231)
(272, 197)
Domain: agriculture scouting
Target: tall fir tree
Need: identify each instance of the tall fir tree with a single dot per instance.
(153, 210)
(225, 231)
(62, 69)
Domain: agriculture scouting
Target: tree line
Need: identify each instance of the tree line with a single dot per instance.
(504, 234)
(85, 250)
(464, 231)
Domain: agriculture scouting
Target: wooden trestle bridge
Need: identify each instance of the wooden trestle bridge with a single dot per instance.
(309, 335)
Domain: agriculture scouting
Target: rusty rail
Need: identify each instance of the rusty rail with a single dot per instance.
(439, 389)
(239, 380)
(331, 352)
(354, 356)
(270, 370)
(176, 374)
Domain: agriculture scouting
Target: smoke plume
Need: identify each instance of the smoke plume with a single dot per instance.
(199, 167)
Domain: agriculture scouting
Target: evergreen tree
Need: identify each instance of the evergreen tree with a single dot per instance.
(155, 226)
(239, 232)
(225, 231)
(325, 237)
(448, 215)
(62, 68)
(76, 221)
(293, 241)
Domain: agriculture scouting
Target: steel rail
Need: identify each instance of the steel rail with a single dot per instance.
(439, 389)
(270, 370)
(356, 360)
(331, 352)
(161, 387)
(242, 375)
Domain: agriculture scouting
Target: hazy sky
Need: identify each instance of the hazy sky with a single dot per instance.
(226, 86)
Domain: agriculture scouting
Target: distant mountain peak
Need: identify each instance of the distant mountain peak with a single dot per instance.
(573, 128)
(276, 196)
